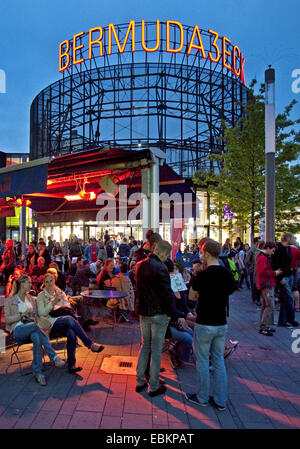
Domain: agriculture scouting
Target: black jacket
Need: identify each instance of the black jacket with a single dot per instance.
(282, 259)
(153, 284)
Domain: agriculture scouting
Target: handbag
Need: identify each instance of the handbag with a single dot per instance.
(62, 311)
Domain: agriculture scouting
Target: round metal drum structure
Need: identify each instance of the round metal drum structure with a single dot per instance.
(135, 98)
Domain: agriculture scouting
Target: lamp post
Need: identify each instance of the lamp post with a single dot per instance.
(270, 153)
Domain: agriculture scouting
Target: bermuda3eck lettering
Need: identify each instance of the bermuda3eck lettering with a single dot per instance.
(100, 42)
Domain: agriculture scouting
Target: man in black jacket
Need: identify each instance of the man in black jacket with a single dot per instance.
(282, 260)
(154, 296)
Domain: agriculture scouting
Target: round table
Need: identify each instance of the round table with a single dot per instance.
(102, 296)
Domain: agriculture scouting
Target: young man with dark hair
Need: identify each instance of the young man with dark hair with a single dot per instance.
(266, 281)
(214, 285)
(154, 298)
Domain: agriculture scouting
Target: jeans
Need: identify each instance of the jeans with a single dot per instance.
(245, 276)
(27, 333)
(267, 308)
(153, 330)
(286, 298)
(185, 339)
(72, 330)
(210, 340)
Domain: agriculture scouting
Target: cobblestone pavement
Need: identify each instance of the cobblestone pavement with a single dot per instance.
(263, 375)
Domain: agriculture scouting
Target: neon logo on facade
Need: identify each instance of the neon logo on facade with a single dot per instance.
(100, 40)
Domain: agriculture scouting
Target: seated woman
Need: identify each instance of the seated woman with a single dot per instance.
(20, 311)
(179, 327)
(122, 283)
(106, 274)
(50, 300)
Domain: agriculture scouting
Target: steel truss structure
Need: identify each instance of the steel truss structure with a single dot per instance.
(139, 99)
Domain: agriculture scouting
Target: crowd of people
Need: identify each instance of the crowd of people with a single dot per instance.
(186, 300)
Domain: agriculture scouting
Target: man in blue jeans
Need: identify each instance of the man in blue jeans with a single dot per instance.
(282, 259)
(154, 305)
(214, 285)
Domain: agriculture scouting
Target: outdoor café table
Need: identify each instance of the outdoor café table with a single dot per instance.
(96, 297)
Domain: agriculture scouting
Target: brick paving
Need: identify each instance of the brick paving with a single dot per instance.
(263, 376)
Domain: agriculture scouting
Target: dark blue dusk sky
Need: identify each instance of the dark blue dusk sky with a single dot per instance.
(267, 32)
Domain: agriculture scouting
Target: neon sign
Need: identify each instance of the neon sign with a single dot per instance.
(98, 42)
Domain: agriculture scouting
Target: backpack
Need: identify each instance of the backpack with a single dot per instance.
(226, 262)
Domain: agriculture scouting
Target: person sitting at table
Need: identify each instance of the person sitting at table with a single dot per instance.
(60, 280)
(50, 300)
(31, 259)
(83, 274)
(96, 267)
(122, 283)
(20, 311)
(76, 302)
(106, 274)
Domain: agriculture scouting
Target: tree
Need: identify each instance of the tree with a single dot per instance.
(240, 181)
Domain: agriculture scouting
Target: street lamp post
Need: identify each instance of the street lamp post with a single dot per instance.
(270, 153)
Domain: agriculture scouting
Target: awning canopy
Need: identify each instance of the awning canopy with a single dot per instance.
(21, 179)
(69, 174)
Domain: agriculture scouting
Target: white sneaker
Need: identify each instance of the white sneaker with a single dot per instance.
(40, 378)
(59, 362)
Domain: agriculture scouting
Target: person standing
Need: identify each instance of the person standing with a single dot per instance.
(250, 264)
(8, 260)
(91, 252)
(214, 285)
(282, 259)
(266, 281)
(154, 301)
(43, 252)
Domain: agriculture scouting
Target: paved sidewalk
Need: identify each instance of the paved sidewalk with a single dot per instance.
(263, 374)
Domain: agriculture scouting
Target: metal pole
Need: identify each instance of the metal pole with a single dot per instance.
(270, 153)
(23, 231)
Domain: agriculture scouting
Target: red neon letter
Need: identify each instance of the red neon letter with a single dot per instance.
(75, 48)
(225, 52)
(200, 46)
(157, 37)
(62, 55)
(242, 69)
(174, 50)
(111, 28)
(216, 47)
(97, 41)
(236, 49)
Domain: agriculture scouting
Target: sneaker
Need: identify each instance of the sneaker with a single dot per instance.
(41, 379)
(60, 363)
(266, 332)
(96, 348)
(215, 405)
(192, 397)
(295, 324)
(161, 390)
(270, 329)
(288, 326)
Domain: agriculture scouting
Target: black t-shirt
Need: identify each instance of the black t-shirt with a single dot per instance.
(214, 285)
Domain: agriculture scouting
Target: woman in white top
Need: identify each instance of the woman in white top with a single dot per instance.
(20, 318)
(50, 301)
